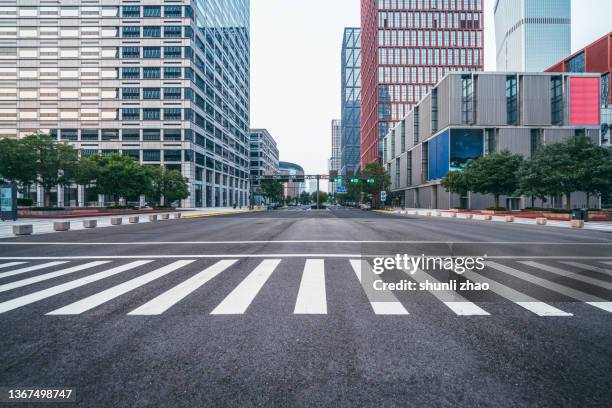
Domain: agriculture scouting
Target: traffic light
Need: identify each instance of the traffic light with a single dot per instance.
(339, 180)
(355, 180)
(371, 181)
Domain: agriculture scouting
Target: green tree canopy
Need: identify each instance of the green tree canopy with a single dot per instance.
(323, 196)
(114, 175)
(17, 162)
(272, 190)
(169, 184)
(456, 182)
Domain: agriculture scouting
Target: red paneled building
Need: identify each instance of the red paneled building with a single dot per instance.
(407, 46)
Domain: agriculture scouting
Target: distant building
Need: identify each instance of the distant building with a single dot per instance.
(292, 189)
(351, 101)
(336, 156)
(468, 115)
(312, 185)
(532, 35)
(263, 160)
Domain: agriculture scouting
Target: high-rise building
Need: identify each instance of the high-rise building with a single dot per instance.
(166, 83)
(295, 187)
(532, 35)
(336, 153)
(351, 101)
(264, 160)
(407, 46)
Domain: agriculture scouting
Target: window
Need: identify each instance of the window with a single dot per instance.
(605, 90)
(89, 134)
(131, 32)
(152, 11)
(151, 93)
(151, 52)
(434, 110)
(172, 155)
(131, 135)
(130, 93)
(172, 114)
(172, 93)
(151, 155)
(131, 11)
(397, 173)
(130, 113)
(134, 154)
(556, 101)
(576, 64)
(131, 52)
(172, 52)
(151, 114)
(151, 134)
(131, 73)
(172, 72)
(70, 134)
(152, 72)
(511, 100)
(467, 99)
(172, 135)
(536, 141)
(172, 11)
(152, 31)
(172, 31)
(416, 125)
(110, 134)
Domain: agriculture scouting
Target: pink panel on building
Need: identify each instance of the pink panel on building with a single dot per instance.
(584, 101)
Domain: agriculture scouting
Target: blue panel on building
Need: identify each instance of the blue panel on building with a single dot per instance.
(465, 145)
(438, 156)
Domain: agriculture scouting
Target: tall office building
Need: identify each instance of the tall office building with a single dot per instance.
(166, 83)
(336, 152)
(351, 101)
(264, 160)
(532, 35)
(407, 46)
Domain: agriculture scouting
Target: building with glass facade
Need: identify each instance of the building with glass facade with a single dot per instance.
(336, 152)
(532, 35)
(264, 160)
(292, 188)
(351, 101)
(407, 46)
(468, 115)
(166, 83)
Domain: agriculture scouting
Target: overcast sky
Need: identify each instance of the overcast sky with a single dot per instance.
(295, 67)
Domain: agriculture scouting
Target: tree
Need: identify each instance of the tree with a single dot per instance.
(322, 197)
(55, 163)
(374, 180)
(17, 162)
(596, 172)
(114, 175)
(304, 198)
(169, 184)
(273, 190)
(456, 182)
(495, 174)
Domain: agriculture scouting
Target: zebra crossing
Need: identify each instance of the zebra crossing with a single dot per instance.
(543, 287)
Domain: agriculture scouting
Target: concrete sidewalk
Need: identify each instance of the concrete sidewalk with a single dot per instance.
(45, 225)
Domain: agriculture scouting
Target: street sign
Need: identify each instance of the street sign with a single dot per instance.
(8, 202)
(383, 196)
(341, 189)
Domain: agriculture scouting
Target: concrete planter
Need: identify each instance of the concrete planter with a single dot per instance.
(165, 216)
(61, 226)
(90, 224)
(541, 221)
(557, 216)
(116, 221)
(23, 229)
(134, 220)
(153, 218)
(577, 224)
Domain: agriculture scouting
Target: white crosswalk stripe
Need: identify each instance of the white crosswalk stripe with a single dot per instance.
(383, 302)
(453, 300)
(312, 297)
(50, 275)
(521, 299)
(590, 267)
(238, 301)
(116, 291)
(10, 264)
(568, 274)
(169, 298)
(31, 268)
(46, 293)
(555, 287)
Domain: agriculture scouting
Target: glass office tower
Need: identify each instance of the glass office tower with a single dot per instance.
(165, 83)
(351, 101)
(532, 35)
(407, 46)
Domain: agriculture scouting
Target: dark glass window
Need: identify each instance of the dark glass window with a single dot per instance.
(131, 31)
(172, 155)
(152, 72)
(131, 135)
(511, 100)
(434, 110)
(556, 101)
(151, 114)
(130, 113)
(536, 140)
(88, 152)
(151, 155)
(133, 153)
(172, 114)
(416, 125)
(131, 72)
(151, 134)
(172, 52)
(172, 134)
(172, 11)
(172, 72)
(467, 99)
(605, 90)
(151, 93)
(576, 64)
(89, 134)
(172, 93)
(152, 31)
(151, 52)
(172, 31)
(69, 134)
(131, 11)
(152, 11)
(131, 52)
(130, 93)
(110, 134)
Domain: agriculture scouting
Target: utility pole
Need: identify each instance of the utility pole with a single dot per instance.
(318, 178)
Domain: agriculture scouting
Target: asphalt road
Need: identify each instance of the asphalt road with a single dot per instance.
(267, 309)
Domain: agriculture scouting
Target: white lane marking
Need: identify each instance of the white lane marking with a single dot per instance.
(9, 264)
(30, 269)
(453, 300)
(93, 301)
(312, 298)
(283, 255)
(383, 302)
(569, 274)
(171, 297)
(521, 299)
(555, 287)
(606, 243)
(238, 301)
(51, 275)
(590, 267)
(43, 294)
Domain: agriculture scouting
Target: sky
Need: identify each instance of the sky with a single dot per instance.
(295, 67)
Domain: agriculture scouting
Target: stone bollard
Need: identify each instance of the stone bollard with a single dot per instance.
(487, 218)
(437, 213)
(469, 216)
(541, 221)
(90, 224)
(509, 218)
(134, 220)
(453, 215)
(153, 218)
(165, 216)
(61, 226)
(577, 223)
(428, 213)
(23, 229)
(116, 221)
(177, 216)
(412, 213)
